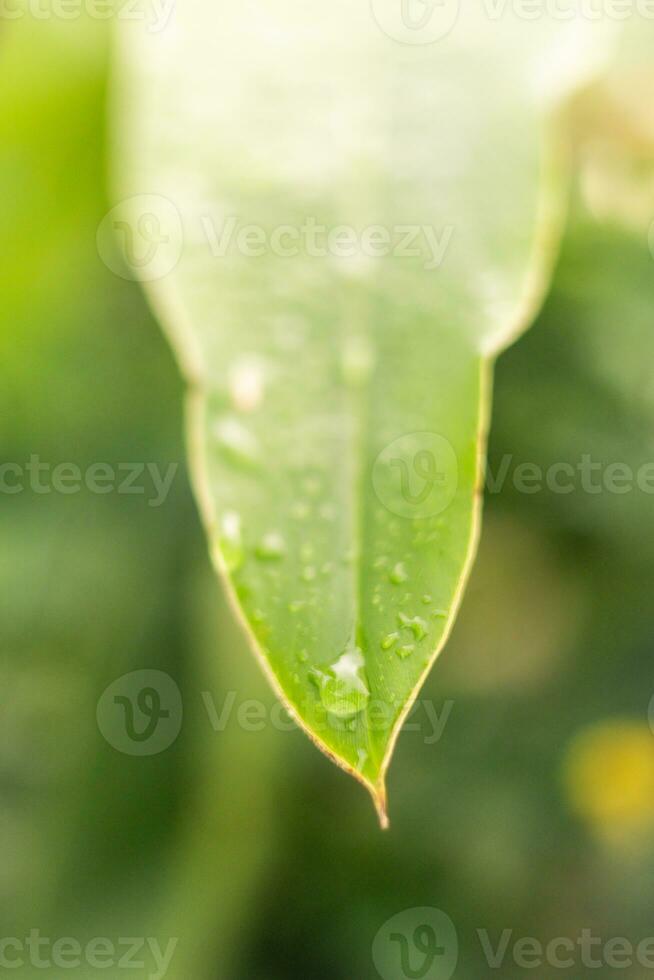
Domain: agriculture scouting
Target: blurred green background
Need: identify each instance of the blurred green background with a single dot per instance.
(533, 811)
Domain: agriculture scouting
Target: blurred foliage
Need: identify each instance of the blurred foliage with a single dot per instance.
(534, 809)
(97, 843)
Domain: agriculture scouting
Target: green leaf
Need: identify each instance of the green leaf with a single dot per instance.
(340, 384)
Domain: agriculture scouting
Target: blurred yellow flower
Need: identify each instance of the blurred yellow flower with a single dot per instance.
(609, 777)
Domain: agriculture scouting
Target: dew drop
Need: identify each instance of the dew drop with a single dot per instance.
(417, 625)
(303, 656)
(343, 691)
(398, 574)
(388, 641)
(405, 651)
(245, 380)
(237, 441)
(427, 599)
(231, 541)
(272, 547)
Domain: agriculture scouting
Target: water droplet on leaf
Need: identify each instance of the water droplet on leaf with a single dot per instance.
(417, 625)
(398, 574)
(343, 691)
(245, 381)
(405, 651)
(272, 547)
(237, 442)
(230, 538)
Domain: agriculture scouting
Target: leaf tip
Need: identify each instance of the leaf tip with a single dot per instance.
(380, 801)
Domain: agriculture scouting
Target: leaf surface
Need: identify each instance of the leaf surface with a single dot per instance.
(340, 228)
